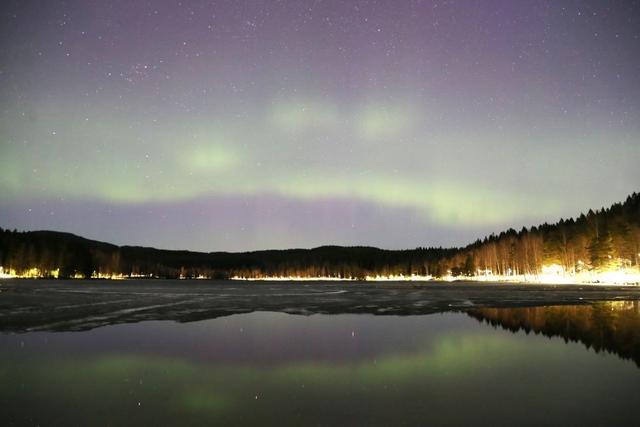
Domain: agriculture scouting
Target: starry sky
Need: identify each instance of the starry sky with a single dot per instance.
(242, 125)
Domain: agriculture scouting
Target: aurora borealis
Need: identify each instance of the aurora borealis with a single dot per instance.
(228, 125)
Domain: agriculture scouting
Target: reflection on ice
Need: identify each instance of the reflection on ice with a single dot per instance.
(607, 326)
(273, 369)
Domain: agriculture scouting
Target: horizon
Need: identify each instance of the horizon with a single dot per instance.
(325, 245)
(230, 127)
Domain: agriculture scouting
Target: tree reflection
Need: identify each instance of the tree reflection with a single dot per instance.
(607, 326)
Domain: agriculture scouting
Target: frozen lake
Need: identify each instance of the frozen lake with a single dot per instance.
(196, 353)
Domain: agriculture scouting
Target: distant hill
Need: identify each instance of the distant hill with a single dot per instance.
(606, 238)
(69, 255)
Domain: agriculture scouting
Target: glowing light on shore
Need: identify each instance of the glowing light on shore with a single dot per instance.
(390, 278)
(553, 269)
(291, 278)
(109, 276)
(30, 273)
(554, 274)
(5, 274)
(623, 276)
(400, 278)
(549, 274)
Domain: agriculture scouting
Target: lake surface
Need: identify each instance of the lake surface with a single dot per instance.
(338, 363)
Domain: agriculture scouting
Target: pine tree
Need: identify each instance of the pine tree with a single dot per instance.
(601, 250)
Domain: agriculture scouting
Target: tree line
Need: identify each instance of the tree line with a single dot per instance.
(601, 239)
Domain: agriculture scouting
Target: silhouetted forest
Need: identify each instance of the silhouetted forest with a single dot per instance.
(603, 239)
(76, 256)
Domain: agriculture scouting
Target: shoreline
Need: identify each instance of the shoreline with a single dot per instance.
(280, 280)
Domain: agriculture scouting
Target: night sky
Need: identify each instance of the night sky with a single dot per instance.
(231, 125)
